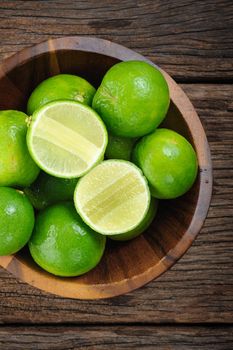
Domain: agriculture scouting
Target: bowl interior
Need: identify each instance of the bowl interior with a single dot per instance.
(122, 261)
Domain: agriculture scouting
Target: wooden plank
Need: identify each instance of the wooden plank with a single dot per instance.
(191, 40)
(197, 289)
(118, 337)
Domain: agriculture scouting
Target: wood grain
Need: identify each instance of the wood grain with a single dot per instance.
(118, 337)
(198, 289)
(191, 40)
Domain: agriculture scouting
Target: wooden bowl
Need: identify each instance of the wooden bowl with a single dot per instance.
(125, 266)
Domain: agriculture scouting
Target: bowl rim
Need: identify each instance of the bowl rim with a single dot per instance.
(66, 287)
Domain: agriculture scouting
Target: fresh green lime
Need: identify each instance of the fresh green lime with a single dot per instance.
(66, 138)
(119, 147)
(168, 161)
(48, 190)
(142, 226)
(16, 220)
(113, 198)
(132, 99)
(61, 87)
(63, 244)
(16, 165)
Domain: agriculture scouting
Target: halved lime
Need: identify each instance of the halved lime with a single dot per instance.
(66, 138)
(113, 198)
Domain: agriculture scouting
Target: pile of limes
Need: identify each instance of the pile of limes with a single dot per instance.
(59, 195)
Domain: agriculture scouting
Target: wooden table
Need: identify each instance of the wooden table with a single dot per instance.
(190, 306)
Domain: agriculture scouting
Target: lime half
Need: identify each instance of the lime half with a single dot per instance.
(113, 198)
(66, 139)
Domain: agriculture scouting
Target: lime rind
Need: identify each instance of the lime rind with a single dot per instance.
(174, 156)
(17, 168)
(61, 87)
(141, 179)
(132, 99)
(52, 170)
(16, 220)
(119, 147)
(56, 271)
(48, 190)
(62, 244)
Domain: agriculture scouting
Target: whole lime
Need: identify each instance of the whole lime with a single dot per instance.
(119, 147)
(142, 226)
(168, 161)
(48, 190)
(16, 220)
(132, 99)
(16, 165)
(63, 244)
(61, 87)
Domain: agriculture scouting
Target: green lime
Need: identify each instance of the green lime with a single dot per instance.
(48, 190)
(61, 87)
(63, 244)
(16, 165)
(168, 161)
(66, 138)
(113, 198)
(16, 220)
(132, 99)
(142, 226)
(119, 147)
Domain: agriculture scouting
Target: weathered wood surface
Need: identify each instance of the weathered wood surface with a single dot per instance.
(118, 337)
(191, 40)
(199, 289)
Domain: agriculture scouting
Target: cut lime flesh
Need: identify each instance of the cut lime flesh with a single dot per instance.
(143, 226)
(66, 139)
(113, 198)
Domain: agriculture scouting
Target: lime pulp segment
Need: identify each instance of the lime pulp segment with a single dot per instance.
(66, 139)
(113, 198)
